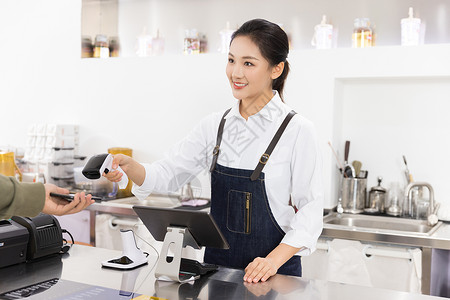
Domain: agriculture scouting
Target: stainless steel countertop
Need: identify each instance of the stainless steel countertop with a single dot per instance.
(83, 266)
(440, 239)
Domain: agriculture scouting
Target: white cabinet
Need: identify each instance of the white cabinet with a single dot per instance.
(373, 265)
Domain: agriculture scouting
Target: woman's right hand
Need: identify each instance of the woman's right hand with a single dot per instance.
(134, 170)
(121, 160)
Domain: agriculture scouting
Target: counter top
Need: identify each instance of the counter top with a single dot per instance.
(440, 239)
(80, 273)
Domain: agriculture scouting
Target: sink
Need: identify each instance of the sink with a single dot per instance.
(379, 224)
(155, 201)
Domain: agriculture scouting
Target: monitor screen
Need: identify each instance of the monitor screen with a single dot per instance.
(201, 225)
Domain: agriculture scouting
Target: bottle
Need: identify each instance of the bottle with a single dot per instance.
(87, 50)
(191, 42)
(225, 38)
(114, 47)
(410, 30)
(158, 44)
(203, 43)
(323, 34)
(101, 48)
(362, 33)
(144, 44)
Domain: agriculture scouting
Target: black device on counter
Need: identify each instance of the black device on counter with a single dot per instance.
(13, 243)
(45, 235)
(200, 224)
(197, 268)
(26, 280)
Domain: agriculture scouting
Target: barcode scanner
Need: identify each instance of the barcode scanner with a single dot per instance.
(102, 163)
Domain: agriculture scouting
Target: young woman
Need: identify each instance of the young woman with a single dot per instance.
(266, 185)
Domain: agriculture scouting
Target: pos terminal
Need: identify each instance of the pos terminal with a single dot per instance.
(179, 228)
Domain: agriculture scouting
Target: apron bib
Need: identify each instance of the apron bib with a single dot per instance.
(241, 209)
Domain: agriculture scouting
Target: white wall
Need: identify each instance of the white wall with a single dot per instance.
(148, 104)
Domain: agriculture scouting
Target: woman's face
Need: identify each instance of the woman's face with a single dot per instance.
(249, 73)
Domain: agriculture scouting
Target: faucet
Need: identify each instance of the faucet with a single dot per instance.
(409, 198)
(186, 192)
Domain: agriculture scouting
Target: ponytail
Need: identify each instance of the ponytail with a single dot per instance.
(278, 83)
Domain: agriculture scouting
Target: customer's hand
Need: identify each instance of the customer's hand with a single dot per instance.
(261, 268)
(119, 160)
(57, 206)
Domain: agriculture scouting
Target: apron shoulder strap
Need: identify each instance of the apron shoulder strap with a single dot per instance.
(265, 157)
(219, 140)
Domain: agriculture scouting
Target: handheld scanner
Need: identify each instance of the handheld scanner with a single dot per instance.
(102, 163)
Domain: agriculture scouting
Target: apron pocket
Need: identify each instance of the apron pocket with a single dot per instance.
(239, 211)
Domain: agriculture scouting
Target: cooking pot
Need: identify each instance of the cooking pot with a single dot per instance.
(8, 165)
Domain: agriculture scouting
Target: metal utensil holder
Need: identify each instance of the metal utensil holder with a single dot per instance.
(353, 194)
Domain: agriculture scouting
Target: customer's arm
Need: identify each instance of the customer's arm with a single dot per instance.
(22, 199)
(29, 199)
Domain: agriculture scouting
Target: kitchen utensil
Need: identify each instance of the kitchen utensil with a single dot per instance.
(102, 163)
(357, 165)
(407, 174)
(354, 191)
(348, 169)
(377, 197)
(363, 174)
(341, 168)
(8, 165)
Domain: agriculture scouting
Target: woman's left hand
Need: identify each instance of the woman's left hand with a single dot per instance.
(260, 269)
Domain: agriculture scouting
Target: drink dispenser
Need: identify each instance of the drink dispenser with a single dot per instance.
(377, 199)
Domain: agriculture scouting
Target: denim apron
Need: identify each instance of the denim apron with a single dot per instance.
(240, 207)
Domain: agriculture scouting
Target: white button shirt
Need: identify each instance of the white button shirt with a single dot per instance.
(293, 169)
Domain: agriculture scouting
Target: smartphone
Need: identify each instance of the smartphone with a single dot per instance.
(69, 197)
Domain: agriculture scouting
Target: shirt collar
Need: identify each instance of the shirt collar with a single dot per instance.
(273, 108)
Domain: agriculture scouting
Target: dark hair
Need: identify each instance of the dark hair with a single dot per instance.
(273, 44)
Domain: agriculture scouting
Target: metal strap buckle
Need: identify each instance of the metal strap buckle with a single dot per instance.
(264, 158)
(216, 150)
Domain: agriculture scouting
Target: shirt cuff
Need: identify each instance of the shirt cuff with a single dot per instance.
(300, 240)
(143, 191)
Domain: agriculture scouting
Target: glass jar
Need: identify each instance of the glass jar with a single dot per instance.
(87, 50)
(394, 202)
(191, 42)
(410, 30)
(362, 33)
(323, 35)
(114, 47)
(101, 47)
(377, 198)
(203, 43)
